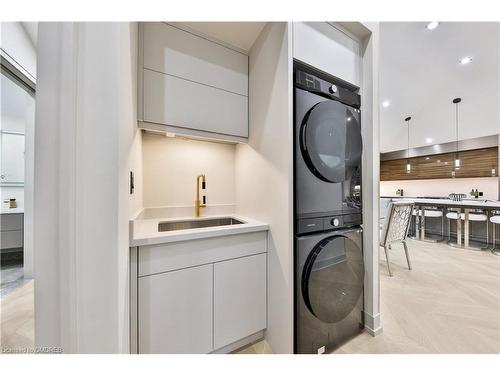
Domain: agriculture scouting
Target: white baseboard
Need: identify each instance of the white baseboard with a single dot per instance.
(372, 324)
(240, 343)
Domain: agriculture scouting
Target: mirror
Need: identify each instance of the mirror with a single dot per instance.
(17, 110)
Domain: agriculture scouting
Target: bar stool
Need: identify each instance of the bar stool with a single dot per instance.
(495, 220)
(427, 212)
(477, 217)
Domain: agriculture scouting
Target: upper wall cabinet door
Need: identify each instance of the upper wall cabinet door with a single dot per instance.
(173, 51)
(178, 102)
(325, 47)
(192, 83)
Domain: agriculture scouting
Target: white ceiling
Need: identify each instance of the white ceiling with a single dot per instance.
(238, 34)
(420, 74)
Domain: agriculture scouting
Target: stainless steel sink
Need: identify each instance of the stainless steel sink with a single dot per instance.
(200, 223)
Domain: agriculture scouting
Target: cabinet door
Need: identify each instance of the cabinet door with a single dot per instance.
(323, 46)
(239, 299)
(182, 103)
(173, 51)
(175, 311)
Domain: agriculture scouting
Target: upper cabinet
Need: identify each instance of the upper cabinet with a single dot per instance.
(329, 49)
(473, 163)
(191, 85)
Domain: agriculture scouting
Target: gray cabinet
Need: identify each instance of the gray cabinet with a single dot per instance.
(11, 235)
(175, 311)
(191, 85)
(239, 298)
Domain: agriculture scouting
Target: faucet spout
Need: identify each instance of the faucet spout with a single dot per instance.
(197, 203)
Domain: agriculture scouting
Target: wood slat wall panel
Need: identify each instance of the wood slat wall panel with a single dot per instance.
(474, 163)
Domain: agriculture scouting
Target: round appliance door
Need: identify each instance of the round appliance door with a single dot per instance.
(330, 141)
(332, 279)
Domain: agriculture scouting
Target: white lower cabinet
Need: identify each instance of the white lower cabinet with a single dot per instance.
(199, 296)
(239, 298)
(175, 311)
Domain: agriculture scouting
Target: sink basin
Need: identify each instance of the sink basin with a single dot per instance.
(200, 223)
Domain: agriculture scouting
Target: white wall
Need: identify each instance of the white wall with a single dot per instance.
(441, 187)
(172, 164)
(370, 128)
(86, 143)
(264, 172)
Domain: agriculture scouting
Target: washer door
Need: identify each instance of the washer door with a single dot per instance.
(332, 279)
(330, 141)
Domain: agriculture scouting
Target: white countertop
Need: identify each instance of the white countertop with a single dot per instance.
(486, 203)
(145, 231)
(6, 210)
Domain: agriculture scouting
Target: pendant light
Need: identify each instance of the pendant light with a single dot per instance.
(408, 165)
(456, 101)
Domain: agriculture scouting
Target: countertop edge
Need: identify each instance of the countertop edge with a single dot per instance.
(196, 235)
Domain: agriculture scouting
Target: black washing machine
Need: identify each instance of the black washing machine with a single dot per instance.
(329, 289)
(328, 254)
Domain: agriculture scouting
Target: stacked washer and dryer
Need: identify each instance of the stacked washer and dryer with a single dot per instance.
(328, 254)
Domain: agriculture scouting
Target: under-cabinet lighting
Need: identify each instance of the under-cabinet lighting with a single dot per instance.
(170, 135)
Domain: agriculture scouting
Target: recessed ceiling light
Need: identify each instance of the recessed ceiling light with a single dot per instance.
(386, 103)
(429, 140)
(432, 25)
(465, 60)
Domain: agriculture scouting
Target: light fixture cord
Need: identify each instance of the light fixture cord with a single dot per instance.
(456, 127)
(408, 142)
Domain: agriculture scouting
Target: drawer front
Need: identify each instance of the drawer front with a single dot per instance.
(178, 102)
(172, 256)
(11, 239)
(170, 50)
(11, 222)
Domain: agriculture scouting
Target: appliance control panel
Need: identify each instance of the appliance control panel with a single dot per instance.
(327, 223)
(323, 87)
(333, 222)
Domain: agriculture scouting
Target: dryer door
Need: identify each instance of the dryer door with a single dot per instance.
(333, 276)
(330, 141)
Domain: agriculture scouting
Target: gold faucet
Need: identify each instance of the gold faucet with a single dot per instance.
(197, 202)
